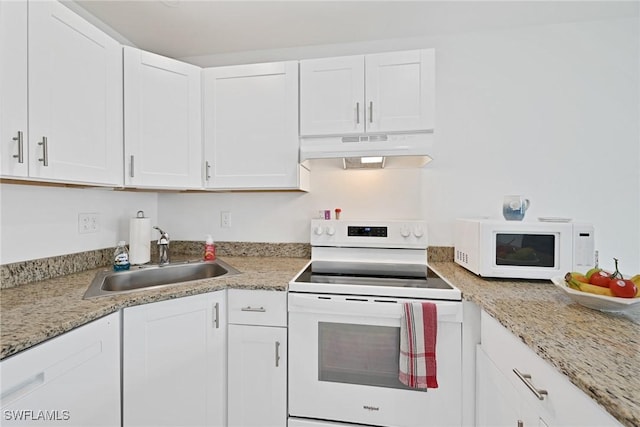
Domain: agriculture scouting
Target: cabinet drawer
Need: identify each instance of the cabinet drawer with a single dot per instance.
(254, 307)
(561, 398)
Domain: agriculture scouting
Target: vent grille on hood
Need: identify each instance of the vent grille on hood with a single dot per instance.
(401, 150)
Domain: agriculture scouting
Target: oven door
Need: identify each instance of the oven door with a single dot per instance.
(343, 363)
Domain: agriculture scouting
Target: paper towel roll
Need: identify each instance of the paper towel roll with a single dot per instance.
(139, 240)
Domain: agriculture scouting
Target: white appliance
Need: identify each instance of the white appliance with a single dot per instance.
(344, 329)
(404, 150)
(523, 249)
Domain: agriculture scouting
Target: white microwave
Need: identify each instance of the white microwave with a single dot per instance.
(523, 249)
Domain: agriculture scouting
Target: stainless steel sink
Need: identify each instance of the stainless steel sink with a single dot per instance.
(110, 282)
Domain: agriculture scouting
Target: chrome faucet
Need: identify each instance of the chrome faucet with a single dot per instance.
(163, 247)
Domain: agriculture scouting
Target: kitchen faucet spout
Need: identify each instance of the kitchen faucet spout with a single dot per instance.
(163, 247)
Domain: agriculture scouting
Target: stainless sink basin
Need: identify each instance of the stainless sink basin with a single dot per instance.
(110, 282)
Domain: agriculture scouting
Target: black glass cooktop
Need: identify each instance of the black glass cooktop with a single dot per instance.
(372, 274)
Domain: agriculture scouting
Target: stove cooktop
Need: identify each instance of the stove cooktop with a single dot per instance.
(374, 279)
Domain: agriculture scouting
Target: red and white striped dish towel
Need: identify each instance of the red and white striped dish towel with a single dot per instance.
(418, 330)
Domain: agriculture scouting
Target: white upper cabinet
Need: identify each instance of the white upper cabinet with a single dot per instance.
(332, 95)
(384, 92)
(63, 77)
(14, 159)
(251, 127)
(75, 98)
(163, 121)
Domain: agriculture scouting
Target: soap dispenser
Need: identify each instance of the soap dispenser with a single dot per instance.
(209, 249)
(121, 257)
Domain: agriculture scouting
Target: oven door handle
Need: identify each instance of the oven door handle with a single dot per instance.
(380, 307)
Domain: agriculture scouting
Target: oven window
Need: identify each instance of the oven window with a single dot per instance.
(359, 354)
(526, 250)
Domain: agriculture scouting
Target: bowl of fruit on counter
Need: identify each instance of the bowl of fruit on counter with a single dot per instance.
(601, 290)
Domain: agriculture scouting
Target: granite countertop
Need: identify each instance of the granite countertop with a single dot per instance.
(34, 312)
(598, 352)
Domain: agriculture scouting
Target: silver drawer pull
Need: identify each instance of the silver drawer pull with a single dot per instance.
(526, 379)
(207, 170)
(216, 315)
(45, 151)
(21, 389)
(277, 354)
(19, 139)
(253, 309)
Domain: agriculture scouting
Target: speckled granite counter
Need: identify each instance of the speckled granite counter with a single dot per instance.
(598, 352)
(35, 312)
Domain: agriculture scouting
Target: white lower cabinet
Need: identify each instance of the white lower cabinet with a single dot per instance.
(516, 388)
(71, 380)
(257, 355)
(174, 362)
(498, 402)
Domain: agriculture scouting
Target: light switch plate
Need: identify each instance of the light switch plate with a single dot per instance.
(225, 219)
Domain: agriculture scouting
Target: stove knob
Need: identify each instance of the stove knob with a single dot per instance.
(404, 231)
(331, 231)
(418, 232)
(318, 230)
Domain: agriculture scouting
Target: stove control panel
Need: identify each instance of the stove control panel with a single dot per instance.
(368, 233)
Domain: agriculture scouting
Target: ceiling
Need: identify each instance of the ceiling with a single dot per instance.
(186, 28)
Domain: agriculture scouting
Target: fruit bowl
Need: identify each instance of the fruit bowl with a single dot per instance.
(594, 301)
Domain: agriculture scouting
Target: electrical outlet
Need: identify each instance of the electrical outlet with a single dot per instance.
(88, 223)
(225, 219)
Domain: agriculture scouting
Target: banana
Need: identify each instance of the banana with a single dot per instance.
(636, 280)
(585, 287)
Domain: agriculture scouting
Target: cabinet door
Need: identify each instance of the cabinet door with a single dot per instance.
(14, 158)
(71, 380)
(251, 126)
(497, 401)
(173, 362)
(162, 107)
(75, 98)
(400, 91)
(257, 390)
(332, 96)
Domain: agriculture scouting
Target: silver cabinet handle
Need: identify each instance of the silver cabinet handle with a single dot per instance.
(207, 170)
(20, 140)
(131, 163)
(22, 388)
(45, 151)
(371, 112)
(357, 113)
(277, 354)
(526, 379)
(216, 315)
(254, 309)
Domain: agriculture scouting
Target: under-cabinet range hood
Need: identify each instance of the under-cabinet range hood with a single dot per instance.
(370, 151)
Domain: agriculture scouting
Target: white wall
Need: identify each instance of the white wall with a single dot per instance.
(284, 217)
(38, 222)
(550, 112)
(522, 111)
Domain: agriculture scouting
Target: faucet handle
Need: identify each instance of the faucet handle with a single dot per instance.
(164, 236)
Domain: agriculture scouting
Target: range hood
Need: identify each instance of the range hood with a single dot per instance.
(366, 151)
